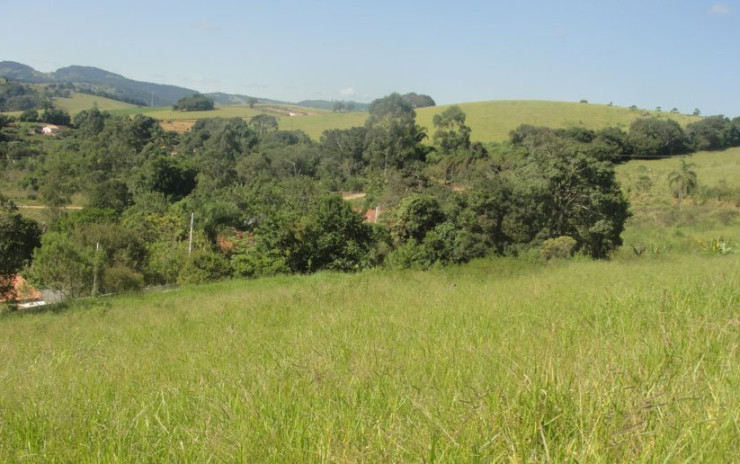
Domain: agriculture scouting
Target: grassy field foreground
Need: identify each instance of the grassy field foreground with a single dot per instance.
(497, 361)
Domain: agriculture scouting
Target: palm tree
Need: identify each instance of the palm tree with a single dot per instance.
(684, 180)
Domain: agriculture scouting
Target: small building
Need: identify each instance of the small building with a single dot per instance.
(50, 129)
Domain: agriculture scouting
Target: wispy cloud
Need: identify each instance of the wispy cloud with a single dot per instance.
(206, 26)
(348, 92)
(719, 9)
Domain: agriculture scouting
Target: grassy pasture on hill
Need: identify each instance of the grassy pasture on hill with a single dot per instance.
(492, 121)
(82, 101)
(489, 121)
(628, 360)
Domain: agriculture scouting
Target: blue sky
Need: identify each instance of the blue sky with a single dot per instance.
(683, 54)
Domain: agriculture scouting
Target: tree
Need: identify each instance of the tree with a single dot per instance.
(654, 137)
(90, 122)
(197, 102)
(415, 215)
(62, 265)
(342, 151)
(713, 133)
(251, 101)
(56, 116)
(263, 124)
(339, 107)
(111, 193)
(683, 180)
(168, 175)
(562, 192)
(18, 238)
(29, 116)
(452, 134)
(419, 100)
(336, 237)
(393, 139)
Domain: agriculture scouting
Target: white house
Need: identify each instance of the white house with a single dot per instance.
(49, 129)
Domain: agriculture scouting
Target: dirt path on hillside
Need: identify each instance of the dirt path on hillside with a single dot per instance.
(48, 207)
(353, 196)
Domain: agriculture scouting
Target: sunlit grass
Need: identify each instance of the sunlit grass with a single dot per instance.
(499, 360)
(502, 360)
(82, 101)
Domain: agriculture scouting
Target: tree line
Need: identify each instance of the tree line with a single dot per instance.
(266, 201)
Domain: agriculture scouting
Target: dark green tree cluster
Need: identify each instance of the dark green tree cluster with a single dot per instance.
(419, 100)
(714, 133)
(19, 97)
(646, 138)
(18, 238)
(266, 201)
(197, 102)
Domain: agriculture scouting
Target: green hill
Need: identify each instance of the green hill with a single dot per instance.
(84, 101)
(99, 82)
(490, 121)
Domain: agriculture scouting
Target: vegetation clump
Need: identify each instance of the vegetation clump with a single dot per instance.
(263, 200)
(197, 102)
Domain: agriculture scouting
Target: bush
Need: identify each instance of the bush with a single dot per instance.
(560, 247)
(255, 263)
(119, 279)
(29, 116)
(166, 260)
(203, 266)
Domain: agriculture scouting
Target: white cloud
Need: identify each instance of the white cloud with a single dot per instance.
(348, 92)
(719, 9)
(207, 26)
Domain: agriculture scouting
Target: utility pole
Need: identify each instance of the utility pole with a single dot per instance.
(96, 265)
(190, 242)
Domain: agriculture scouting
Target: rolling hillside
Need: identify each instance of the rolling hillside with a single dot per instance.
(84, 101)
(490, 121)
(99, 82)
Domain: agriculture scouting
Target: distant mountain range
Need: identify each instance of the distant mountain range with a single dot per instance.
(99, 82)
(104, 83)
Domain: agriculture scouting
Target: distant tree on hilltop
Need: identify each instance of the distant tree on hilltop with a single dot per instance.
(197, 102)
(419, 100)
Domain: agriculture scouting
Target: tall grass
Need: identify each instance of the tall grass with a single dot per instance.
(514, 360)
(500, 360)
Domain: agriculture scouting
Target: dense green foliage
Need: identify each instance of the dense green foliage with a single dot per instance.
(18, 238)
(266, 201)
(419, 100)
(18, 97)
(197, 102)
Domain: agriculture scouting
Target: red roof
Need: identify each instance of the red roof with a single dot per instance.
(23, 291)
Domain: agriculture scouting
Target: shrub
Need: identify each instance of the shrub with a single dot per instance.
(119, 279)
(560, 247)
(203, 266)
